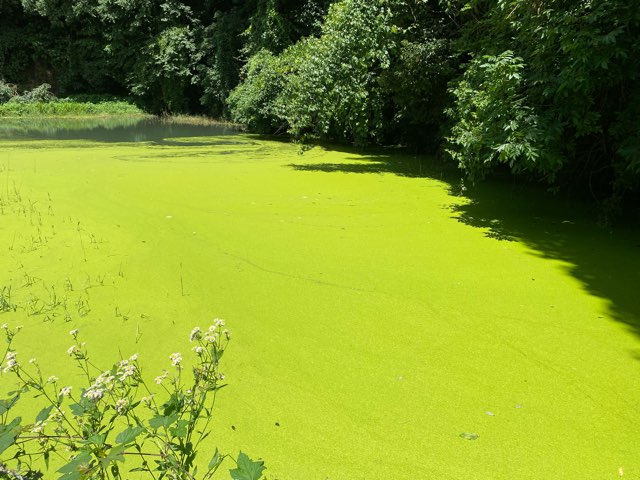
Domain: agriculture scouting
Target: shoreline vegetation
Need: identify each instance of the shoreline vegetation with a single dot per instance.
(69, 108)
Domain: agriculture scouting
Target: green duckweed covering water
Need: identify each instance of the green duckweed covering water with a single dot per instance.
(384, 328)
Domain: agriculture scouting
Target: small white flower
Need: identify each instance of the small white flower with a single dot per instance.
(221, 376)
(122, 405)
(195, 334)
(226, 333)
(52, 379)
(133, 357)
(105, 379)
(94, 393)
(218, 322)
(211, 337)
(147, 400)
(127, 371)
(123, 363)
(12, 363)
(160, 378)
(57, 416)
(4, 326)
(74, 333)
(65, 391)
(32, 360)
(198, 349)
(38, 428)
(176, 359)
(72, 350)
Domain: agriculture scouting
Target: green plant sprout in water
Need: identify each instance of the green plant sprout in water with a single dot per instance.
(117, 419)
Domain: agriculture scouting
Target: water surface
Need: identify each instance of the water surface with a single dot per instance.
(384, 326)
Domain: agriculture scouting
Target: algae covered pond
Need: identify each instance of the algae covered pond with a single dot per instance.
(384, 327)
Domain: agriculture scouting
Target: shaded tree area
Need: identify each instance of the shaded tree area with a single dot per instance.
(545, 89)
(170, 55)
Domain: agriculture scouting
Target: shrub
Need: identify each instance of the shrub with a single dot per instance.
(7, 92)
(41, 93)
(117, 418)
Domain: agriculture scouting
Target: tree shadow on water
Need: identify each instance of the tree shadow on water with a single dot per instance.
(381, 161)
(605, 261)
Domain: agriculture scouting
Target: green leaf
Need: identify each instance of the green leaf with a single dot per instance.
(6, 404)
(160, 421)
(180, 430)
(215, 461)
(72, 469)
(44, 414)
(6, 440)
(114, 455)
(217, 353)
(77, 409)
(97, 439)
(9, 434)
(129, 435)
(247, 468)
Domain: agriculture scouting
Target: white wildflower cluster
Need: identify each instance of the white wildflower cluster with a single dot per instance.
(195, 334)
(126, 370)
(210, 344)
(38, 428)
(103, 383)
(32, 361)
(159, 379)
(218, 322)
(4, 326)
(76, 351)
(12, 363)
(65, 391)
(104, 380)
(94, 393)
(122, 406)
(74, 333)
(198, 349)
(52, 379)
(211, 336)
(57, 416)
(176, 359)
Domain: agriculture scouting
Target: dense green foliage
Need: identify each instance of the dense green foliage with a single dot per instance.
(551, 88)
(547, 88)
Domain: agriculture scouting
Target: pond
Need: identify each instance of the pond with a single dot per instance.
(386, 324)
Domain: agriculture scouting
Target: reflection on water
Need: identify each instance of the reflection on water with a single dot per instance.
(107, 129)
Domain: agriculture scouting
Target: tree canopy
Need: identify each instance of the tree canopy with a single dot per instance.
(544, 88)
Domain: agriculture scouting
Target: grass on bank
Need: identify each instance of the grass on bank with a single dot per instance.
(65, 107)
(199, 120)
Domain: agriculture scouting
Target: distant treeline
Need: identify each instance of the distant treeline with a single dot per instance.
(543, 88)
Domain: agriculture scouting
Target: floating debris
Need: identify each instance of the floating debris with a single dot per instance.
(469, 436)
